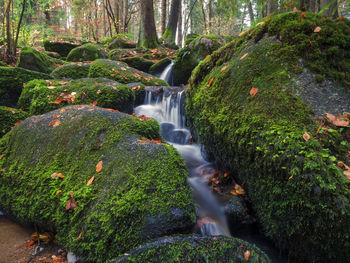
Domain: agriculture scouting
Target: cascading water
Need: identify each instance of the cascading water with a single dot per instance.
(167, 110)
(167, 73)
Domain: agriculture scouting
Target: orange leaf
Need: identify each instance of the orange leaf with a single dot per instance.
(330, 117)
(233, 192)
(247, 255)
(210, 82)
(306, 136)
(347, 174)
(94, 103)
(91, 180)
(51, 87)
(58, 192)
(18, 122)
(239, 189)
(123, 69)
(246, 54)
(30, 243)
(208, 56)
(57, 101)
(253, 91)
(302, 15)
(11, 110)
(223, 68)
(71, 204)
(317, 29)
(225, 175)
(55, 123)
(80, 235)
(99, 167)
(341, 123)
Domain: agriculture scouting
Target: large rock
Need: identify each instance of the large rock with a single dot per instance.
(138, 62)
(248, 104)
(158, 67)
(121, 41)
(40, 96)
(62, 48)
(121, 72)
(190, 56)
(31, 59)
(9, 117)
(11, 83)
(194, 248)
(75, 70)
(87, 52)
(96, 178)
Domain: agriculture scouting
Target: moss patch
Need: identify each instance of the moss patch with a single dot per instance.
(138, 62)
(160, 66)
(8, 118)
(62, 48)
(31, 59)
(140, 182)
(195, 249)
(11, 83)
(76, 70)
(120, 41)
(300, 195)
(121, 72)
(87, 52)
(40, 96)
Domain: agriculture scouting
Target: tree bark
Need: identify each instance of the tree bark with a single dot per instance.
(18, 27)
(271, 7)
(211, 15)
(8, 30)
(179, 27)
(149, 39)
(332, 10)
(204, 16)
(163, 16)
(170, 32)
(251, 13)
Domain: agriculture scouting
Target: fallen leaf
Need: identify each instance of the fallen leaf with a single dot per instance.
(91, 180)
(341, 123)
(246, 54)
(207, 56)
(71, 204)
(98, 91)
(302, 15)
(306, 136)
(57, 175)
(317, 29)
(46, 237)
(223, 68)
(18, 122)
(30, 243)
(253, 91)
(55, 123)
(239, 189)
(99, 167)
(247, 255)
(94, 103)
(210, 82)
(233, 192)
(11, 110)
(51, 87)
(347, 174)
(57, 101)
(58, 192)
(123, 69)
(80, 235)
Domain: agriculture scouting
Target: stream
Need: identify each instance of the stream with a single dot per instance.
(166, 105)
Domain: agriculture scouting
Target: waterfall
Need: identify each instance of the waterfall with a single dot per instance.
(167, 73)
(167, 109)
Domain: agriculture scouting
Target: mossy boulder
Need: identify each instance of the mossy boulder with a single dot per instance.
(53, 54)
(62, 48)
(159, 66)
(87, 52)
(119, 53)
(9, 117)
(245, 104)
(11, 83)
(40, 96)
(95, 177)
(138, 62)
(121, 72)
(190, 56)
(194, 248)
(121, 41)
(32, 59)
(75, 70)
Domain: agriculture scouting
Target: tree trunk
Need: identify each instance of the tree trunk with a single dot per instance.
(8, 30)
(251, 13)
(204, 16)
(332, 10)
(179, 27)
(126, 16)
(313, 5)
(149, 39)
(163, 16)
(170, 32)
(18, 27)
(210, 19)
(271, 7)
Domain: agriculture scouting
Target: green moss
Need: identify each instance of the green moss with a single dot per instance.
(31, 59)
(11, 83)
(159, 66)
(40, 96)
(62, 48)
(118, 53)
(150, 42)
(73, 71)
(195, 249)
(53, 54)
(2, 64)
(301, 197)
(169, 36)
(8, 118)
(190, 37)
(87, 52)
(140, 181)
(122, 72)
(119, 41)
(138, 63)
(190, 56)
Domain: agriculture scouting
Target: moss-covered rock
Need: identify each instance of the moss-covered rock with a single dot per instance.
(75, 70)
(121, 72)
(160, 66)
(87, 52)
(118, 53)
(11, 83)
(190, 56)
(269, 136)
(137, 187)
(138, 62)
(40, 96)
(62, 48)
(121, 41)
(32, 59)
(9, 117)
(53, 54)
(195, 248)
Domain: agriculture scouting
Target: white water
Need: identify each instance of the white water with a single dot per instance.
(166, 74)
(167, 111)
